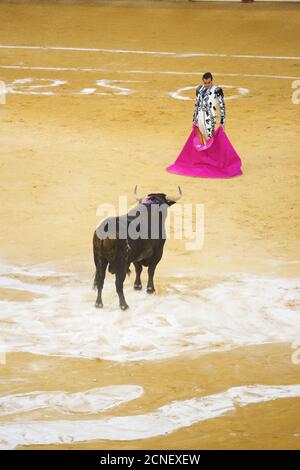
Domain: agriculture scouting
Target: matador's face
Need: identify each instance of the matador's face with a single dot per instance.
(207, 82)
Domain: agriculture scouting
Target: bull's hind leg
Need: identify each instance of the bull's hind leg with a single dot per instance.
(120, 277)
(121, 268)
(99, 280)
(138, 270)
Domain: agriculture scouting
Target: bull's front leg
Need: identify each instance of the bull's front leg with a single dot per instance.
(120, 277)
(138, 270)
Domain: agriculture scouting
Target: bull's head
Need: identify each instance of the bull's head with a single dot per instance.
(157, 198)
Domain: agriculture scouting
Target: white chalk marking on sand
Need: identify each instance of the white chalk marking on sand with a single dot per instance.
(120, 90)
(179, 96)
(164, 420)
(26, 86)
(91, 401)
(109, 84)
(150, 72)
(153, 53)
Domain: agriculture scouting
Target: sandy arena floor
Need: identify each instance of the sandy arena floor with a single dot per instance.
(101, 98)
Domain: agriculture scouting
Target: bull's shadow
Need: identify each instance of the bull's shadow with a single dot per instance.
(137, 237)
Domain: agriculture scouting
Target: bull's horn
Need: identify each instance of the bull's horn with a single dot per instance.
(175, 198)
(135, 194)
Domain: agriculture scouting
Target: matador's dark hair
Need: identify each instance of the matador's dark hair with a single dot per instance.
(206, 76)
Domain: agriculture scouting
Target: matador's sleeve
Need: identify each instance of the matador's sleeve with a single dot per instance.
(196, 105)
(220, 97)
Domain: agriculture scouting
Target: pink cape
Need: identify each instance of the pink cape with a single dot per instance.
(215, 159)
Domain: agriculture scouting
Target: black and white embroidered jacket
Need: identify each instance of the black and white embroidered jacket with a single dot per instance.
(207, 100)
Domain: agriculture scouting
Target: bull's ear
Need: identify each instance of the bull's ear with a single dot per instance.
(170, 203)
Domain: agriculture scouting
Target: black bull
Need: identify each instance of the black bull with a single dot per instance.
(137, 237)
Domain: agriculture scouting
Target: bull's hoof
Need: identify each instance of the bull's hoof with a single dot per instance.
(99, 305)
(124, 306)
(150, 290)
(138, 286)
